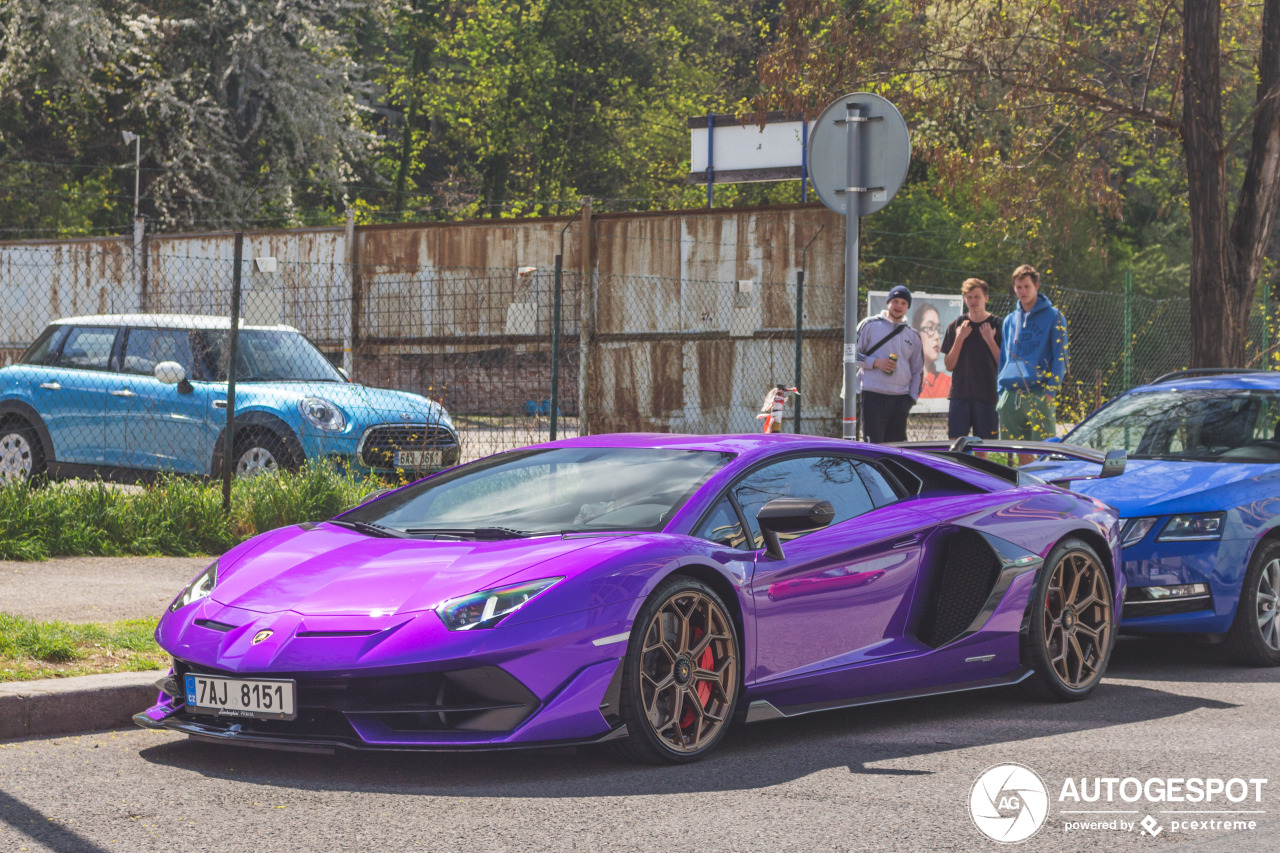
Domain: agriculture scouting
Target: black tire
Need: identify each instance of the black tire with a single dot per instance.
(261, 451)
(21, 453)
(684, 734)
(1254, 637)
(1072, 624)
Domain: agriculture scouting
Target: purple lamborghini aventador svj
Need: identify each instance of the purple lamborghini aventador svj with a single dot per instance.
(649, 590)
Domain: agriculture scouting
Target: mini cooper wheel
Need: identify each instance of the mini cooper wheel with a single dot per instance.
(261, 453)
(21, 456)
(681, 676)
(1073, 623)
(1254, 638)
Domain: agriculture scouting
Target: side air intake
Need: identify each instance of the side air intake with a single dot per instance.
(965, 577)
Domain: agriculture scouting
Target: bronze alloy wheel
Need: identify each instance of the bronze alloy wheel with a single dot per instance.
(1077, 619)
(681, 675)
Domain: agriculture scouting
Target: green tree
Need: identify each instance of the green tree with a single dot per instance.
(1045, 101)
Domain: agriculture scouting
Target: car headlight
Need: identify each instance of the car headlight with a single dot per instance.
(197, 589)
(1132, 530)
(487, 608)
(1200, 527)
(319, 412)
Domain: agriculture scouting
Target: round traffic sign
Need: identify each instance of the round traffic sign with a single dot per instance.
(884, 152)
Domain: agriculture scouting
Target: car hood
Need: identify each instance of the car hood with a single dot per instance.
(1162, 486)
(331, 571)
(357, 401)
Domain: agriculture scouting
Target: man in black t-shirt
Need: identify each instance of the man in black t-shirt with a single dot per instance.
(971, 351)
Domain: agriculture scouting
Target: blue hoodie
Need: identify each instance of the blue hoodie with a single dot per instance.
(1034, 355)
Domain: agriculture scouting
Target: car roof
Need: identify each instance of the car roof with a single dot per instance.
(164, 321)
(1262, 380)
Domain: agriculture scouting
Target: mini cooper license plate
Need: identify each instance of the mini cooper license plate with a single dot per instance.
(240, 697)
(418, 459)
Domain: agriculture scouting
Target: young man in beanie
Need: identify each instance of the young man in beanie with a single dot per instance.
(890, 369)
(1033, 362)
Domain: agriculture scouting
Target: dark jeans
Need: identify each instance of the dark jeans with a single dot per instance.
(978, 415)
(884, 416)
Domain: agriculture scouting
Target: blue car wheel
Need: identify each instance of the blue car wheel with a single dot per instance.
(1254, 638)
(21, 455)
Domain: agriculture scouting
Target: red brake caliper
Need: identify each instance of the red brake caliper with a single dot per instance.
(703, 688)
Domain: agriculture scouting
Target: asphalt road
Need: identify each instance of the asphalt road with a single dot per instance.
(888, 777)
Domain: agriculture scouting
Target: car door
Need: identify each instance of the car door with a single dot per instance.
(75, 399)
(165, 426)
(839, 595)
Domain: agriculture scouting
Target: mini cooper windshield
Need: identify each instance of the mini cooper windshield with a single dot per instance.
(532, 492)
(1220, 425)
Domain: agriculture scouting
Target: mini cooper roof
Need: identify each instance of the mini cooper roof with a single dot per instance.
(164, 321)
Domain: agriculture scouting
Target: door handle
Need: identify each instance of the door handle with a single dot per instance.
(906, 540)
(51, 386)
(219, 404)
(123, 392)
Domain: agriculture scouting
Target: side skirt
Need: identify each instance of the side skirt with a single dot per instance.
(761, 710)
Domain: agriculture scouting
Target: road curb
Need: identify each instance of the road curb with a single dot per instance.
(55, 706)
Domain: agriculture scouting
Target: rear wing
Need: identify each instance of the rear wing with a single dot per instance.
(1112, 461)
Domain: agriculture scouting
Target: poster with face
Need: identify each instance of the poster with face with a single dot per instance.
(929, 315)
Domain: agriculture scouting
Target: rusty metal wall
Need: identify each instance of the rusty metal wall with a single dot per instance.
(694, 311)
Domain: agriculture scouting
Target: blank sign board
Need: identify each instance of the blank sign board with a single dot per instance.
(883, 154)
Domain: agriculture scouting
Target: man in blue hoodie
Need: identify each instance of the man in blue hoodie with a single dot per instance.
(1033, 362)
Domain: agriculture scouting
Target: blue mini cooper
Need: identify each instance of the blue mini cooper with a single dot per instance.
(1199, 502)
(134, 394)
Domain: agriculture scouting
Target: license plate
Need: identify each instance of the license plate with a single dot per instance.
(240, 697)
(418, 458)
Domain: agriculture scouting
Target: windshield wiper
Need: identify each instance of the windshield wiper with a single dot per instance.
(371, 529)
(477, 533)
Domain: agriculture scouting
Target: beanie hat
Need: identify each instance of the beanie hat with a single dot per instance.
(900, 292)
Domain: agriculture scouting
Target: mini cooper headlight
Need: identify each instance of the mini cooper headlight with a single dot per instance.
(319, 412)
(487, 608)
(197, 589)
(1133, 530)
(1194, 528)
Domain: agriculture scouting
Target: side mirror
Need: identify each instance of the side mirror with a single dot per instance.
(791, 515)
(172, 373)
(1113, 463)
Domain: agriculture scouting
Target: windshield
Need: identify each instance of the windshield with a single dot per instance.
(263, 355)
(556, 490)
(1227, 425)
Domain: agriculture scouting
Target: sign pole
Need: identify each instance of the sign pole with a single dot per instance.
(852, 127)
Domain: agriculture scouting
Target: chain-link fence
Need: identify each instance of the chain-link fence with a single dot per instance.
(117, 366)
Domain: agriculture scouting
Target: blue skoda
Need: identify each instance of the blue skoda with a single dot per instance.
(1200, 504)
(137, 394)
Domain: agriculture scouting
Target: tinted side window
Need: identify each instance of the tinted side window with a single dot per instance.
(882, 492)
(41, 352)
(723, 526)
(88, 348)
(828, 478)
(148, 347)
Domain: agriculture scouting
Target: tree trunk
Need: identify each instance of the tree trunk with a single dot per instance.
(1226, 258)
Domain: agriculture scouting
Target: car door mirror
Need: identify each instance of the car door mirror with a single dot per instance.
(1113, 463)
(172, 373)
(791, 515)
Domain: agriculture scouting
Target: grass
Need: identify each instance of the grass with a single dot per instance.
(174, 517)
(31, 650)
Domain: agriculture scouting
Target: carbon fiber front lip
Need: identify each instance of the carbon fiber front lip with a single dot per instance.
(213, 734)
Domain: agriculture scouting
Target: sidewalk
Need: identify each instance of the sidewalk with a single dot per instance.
(94, 589)
(86, 589)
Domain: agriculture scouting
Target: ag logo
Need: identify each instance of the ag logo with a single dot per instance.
(261, 636)
(1009, 803)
